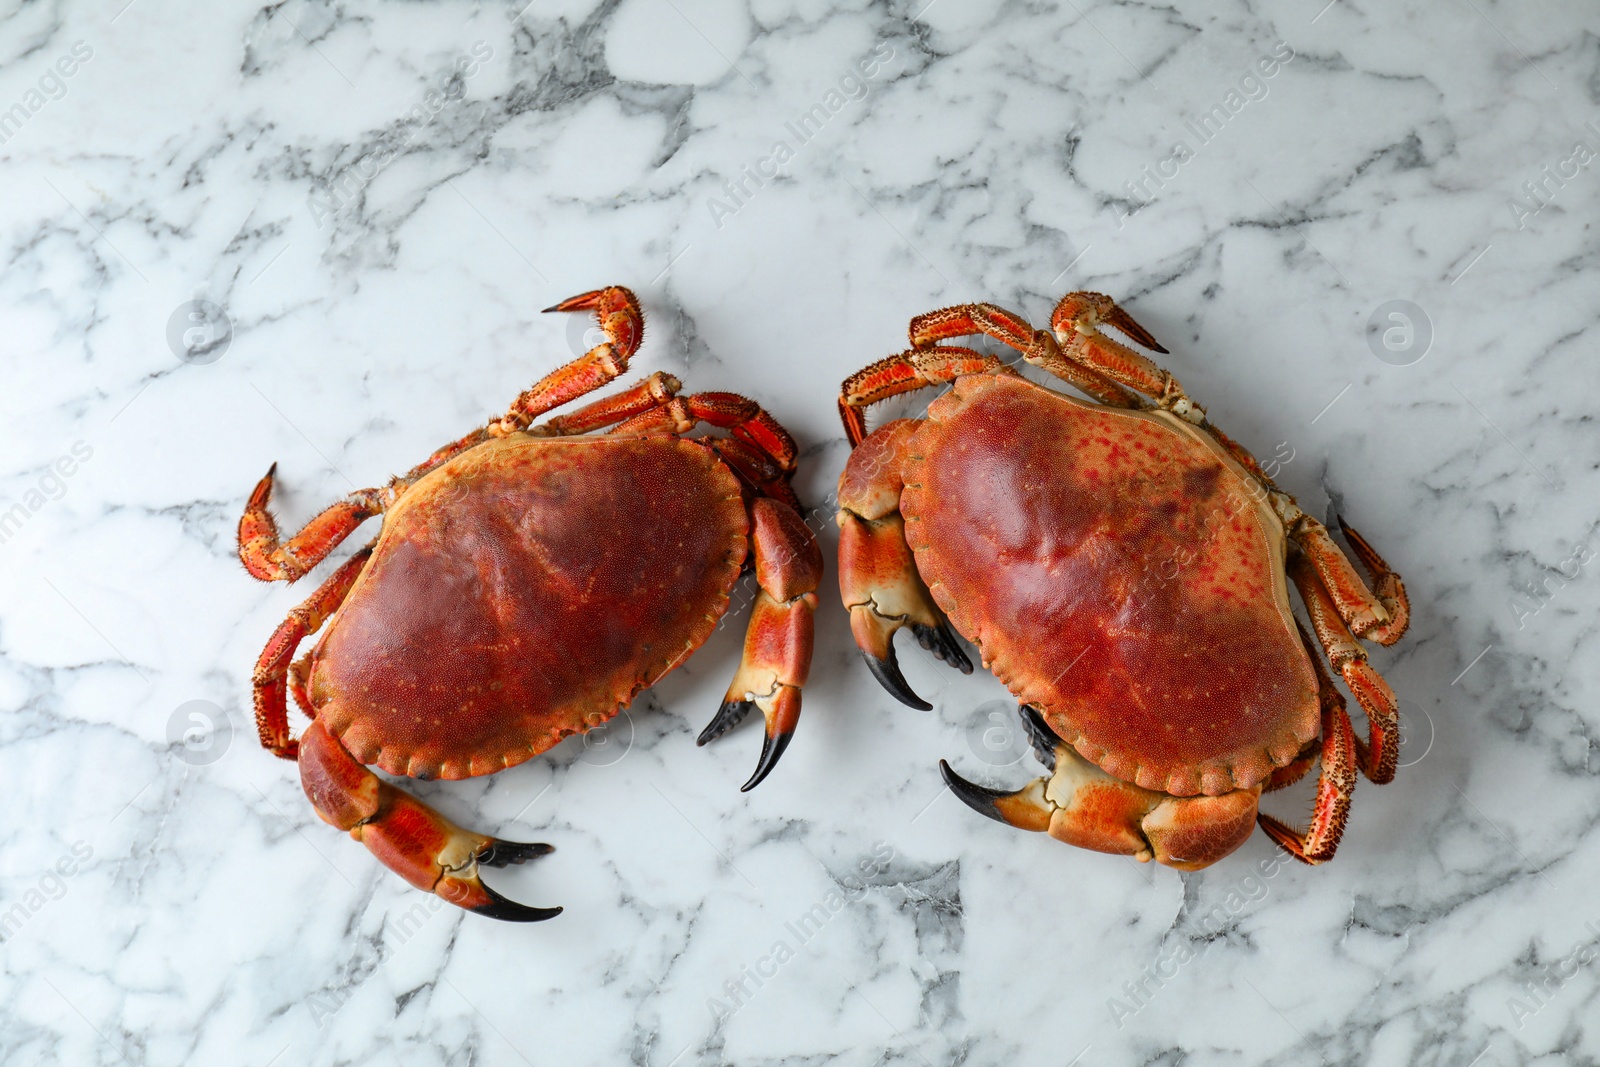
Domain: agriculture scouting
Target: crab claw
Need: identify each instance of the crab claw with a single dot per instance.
(782, 712)
(777, 656)
(885, 665)
(781, 722)
(1082, 805)
(407, 836)
(1025, 808)
(941, 641)
(879, 583)
(778, 641)
(780, 708)
(875, 636)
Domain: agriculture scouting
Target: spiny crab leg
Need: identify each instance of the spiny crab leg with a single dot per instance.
(903, 373)
(617, 311)
(1379, 758)
(1036, 346)
(270, 560)
(1335, 784)
(1386, 586)
(778, 643)
(407, 836)
(1076, 322)
(652, 392)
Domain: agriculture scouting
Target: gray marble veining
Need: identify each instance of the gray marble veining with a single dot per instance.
(345, 218)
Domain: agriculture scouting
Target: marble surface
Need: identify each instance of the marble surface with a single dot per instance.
(365, 205)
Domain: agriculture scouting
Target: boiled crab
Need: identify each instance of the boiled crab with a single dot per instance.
(1123, 568)
(528, 582)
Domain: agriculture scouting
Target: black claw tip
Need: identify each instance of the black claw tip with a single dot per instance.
(942, 642)
(887, 672)
(501, 853)
(510, 911)
(771, 751)
(979, 798)
(1041, 738)
(729, 715)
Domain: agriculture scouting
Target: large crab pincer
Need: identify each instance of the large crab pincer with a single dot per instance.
(1123, 568)
(529, 581)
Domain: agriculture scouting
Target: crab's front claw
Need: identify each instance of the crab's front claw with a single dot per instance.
(1082, 805)
(1026, 809)
(780, 708)
(437, 856)
(879, 583)
(777, 658)
(406, 835)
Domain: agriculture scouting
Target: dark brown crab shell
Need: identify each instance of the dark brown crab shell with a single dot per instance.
(1119, 572)
(520, 593)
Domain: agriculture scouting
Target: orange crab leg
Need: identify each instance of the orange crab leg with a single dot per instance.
(406, 835)
(617, 311)
(1036, 346)
(878, 577)
(1329, 700)
(268, 559)
(269, 680)
(758, 469)
(654, 391)
(913, 369)
(1386, 585)
(271, 561)
(1359, 609)
(749, 422)
(778, 643)
(1334, 787)
(965, 320)
(1380, 755)
(1082, 805)
(1076, 321)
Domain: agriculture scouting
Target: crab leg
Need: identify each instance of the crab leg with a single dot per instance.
(1378, 758)
(748, 421)
(269, 680)
(1082, 805)
(878, 577)
(1036, 346)
(912, 369)
(268, 559)
(778, 643)
(1386, 585)
(652, 392)
(761, 449)
(410, 838)
(1076, 322)
(617, 311)
(1335, 785)
(758, 469)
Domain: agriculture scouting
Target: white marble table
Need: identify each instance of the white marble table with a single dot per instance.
(376, 239)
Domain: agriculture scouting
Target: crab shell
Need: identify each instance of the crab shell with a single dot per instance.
(1120, 573)
(526, 591)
